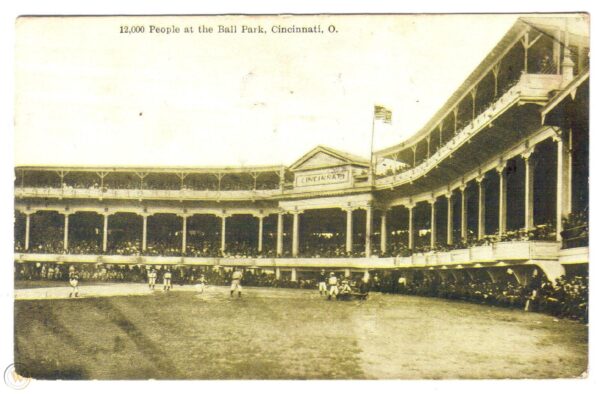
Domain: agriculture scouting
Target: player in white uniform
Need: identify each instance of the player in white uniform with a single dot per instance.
(333, 286)
(152, 278)
(74, 282)
(201, 285)
(167, 280)
(236, 283)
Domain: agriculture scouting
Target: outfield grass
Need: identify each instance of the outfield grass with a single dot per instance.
(289, 334)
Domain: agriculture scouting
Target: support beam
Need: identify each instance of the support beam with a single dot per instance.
(296, 234)
(433, 239)
(27, 229)
(463, 212)
(383, 238)
(563, 180)
(481, 207)
(529, 182)
(368, 229)
(260, 233)
(279, 234)
(105, 233)
(349, 230)
(223, 234)
(411, 226)
(449, 220)
(184, 234)
(501, 198)
(66, 232)
(144, 231)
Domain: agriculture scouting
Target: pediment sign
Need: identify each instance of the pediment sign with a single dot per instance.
(320, 159)
(324, 157)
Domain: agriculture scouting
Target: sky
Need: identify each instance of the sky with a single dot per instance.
(87, 94)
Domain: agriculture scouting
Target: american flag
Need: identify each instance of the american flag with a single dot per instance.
(382, 113)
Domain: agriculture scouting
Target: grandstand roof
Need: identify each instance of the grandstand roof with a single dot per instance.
(578, 34)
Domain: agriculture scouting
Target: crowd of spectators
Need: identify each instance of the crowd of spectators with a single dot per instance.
(138, 273)
(313, 246)
(156, 184)
(567, 297)
(576, 231)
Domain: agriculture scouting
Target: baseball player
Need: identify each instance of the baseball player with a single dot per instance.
(236, 280)
(201, 285)
(152, 278)
(322, 283)
(167, 281)
(74, 282)
(333, 286)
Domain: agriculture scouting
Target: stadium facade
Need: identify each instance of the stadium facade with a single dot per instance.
(497, 179)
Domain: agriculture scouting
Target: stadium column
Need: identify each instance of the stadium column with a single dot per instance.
(27, 226)
(260, 233)
(383, 238)
(296, 233)
(279, 234)
(184, 233)
(433, 239)
(449, 221)
(563, 179)
(368, 229)
(66, 231)
(144, 230)
(224, 232)
(105, 232)
(294, 277)
(411, 226)
(529, 166)
(349, 230)
(501, 197)
(481, 207)
(463, 211)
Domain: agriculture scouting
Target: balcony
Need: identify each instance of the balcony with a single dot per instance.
(145, 194)
(529, 88)
(502, 252)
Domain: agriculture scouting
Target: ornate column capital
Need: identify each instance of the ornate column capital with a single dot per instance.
(66, 211)
(500, 166)
(526, 154)
(431, 199)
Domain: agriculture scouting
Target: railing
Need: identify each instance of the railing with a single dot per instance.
(575, 237)
(529, 86)
(125, 194)
(507, 252)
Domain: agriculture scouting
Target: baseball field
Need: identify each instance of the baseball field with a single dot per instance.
(127, 332)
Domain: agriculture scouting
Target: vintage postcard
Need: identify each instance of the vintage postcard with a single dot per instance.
(301, 197)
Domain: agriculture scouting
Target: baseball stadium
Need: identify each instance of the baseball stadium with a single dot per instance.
(461, 251)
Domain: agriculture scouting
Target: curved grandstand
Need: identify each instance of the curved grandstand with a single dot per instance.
(493, 188)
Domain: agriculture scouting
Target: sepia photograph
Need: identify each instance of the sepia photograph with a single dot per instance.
(301, 197)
